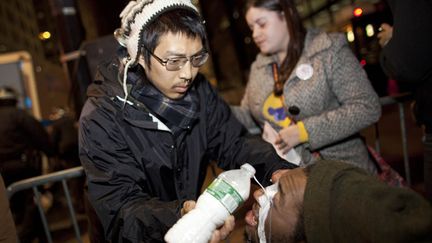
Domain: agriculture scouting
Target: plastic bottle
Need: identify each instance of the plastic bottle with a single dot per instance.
(221, 198)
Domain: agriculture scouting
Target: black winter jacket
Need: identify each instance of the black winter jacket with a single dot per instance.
(407, 55)
(139, 175)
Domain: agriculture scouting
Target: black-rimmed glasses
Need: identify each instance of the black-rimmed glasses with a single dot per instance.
(177, 63)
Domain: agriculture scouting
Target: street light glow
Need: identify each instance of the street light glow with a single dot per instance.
(370, 30)
(44, 35)
(358, 12)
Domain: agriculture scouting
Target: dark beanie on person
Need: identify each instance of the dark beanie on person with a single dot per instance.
(343, 203)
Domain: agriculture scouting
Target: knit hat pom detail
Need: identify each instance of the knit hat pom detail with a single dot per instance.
(137, 15)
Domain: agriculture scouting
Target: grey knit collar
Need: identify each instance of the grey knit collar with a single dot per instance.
(316, 41)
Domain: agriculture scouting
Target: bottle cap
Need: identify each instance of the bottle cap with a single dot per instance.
(249, 169)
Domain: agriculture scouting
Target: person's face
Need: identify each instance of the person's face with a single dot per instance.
(173, 84)
(269, 30)
(283, 217)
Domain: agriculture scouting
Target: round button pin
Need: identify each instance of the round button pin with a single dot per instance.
(304, 71)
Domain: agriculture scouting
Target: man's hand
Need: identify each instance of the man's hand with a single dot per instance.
(219, 234)
(187, 207)
(223, 232)
(385, 34)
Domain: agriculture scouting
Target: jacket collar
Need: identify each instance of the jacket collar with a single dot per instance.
(107, 84)
(106, 81)
(316, 41)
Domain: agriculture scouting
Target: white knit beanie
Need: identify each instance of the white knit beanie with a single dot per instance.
(137, 15)
(134, 18)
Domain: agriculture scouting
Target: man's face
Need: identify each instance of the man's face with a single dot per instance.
(173, 84)
(282, 221)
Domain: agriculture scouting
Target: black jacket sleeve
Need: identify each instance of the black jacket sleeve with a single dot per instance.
(407, 55)
(117, 185)
(232, 146)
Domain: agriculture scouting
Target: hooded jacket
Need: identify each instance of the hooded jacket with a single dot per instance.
(139, 174)
(344, 204)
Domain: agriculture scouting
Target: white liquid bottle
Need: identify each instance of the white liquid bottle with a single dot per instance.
(230, 189)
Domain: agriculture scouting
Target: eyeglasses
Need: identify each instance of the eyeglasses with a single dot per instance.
(177, 63)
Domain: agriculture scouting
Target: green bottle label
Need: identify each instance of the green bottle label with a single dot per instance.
(225, 194)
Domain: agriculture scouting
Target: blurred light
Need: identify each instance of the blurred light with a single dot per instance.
(236, 15)
(27, 102)
(44, 35)
(350, 36)
(370, 30)
(334, 7)
(247, 40)
(300, 8)
(363, 62)
(69, 10)
(224, 24)
(40, 15)
(358, 12)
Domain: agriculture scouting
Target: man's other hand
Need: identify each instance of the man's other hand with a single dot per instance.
(223, 232)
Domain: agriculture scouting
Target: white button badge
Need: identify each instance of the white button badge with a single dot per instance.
(304, 71)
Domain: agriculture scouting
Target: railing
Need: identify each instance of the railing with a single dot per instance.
(35, 182)
(399, 99)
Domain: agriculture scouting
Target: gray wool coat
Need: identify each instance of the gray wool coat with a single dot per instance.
(336, 99)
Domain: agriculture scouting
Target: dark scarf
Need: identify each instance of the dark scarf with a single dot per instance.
(178, 115)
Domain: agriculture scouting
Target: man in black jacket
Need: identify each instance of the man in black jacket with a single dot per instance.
(152, 124)
(406, 57)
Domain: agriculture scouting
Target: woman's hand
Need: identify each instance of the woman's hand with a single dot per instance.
(385, 34)
(288, 138)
